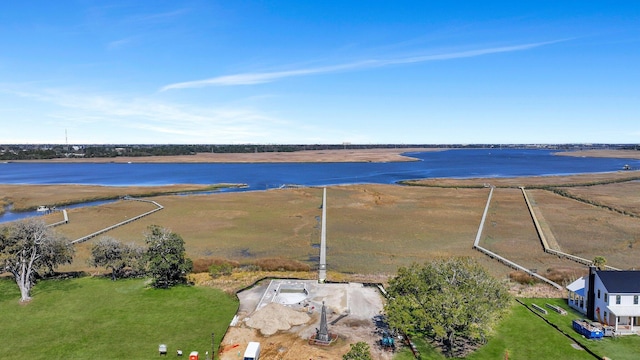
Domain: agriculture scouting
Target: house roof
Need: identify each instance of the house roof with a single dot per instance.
(624, 310)
(578, 286)
(621, 282)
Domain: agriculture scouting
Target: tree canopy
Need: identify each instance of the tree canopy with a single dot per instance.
(29, 249)
(358, 351)
(166, 259)
(600, 262)
(112, 254)
(452, 302)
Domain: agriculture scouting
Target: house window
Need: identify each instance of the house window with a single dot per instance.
(598, 293)
(605, 316)
(606, 297)
(635, 299)
(617, 299)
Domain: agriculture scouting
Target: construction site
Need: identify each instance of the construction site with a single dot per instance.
(285, 317)
(300, 319)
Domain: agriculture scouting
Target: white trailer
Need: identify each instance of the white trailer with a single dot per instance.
(253, 351)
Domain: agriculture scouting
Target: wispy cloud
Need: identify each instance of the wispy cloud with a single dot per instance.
(157, 17)
(264, 77)
(114, 117)
(120, 43)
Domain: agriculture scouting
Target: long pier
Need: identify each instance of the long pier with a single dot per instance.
(99, 232)
(65, 220)
(322, 272)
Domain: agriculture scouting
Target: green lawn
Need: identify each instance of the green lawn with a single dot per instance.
(526, 336)
(95, 318)
(618, 348)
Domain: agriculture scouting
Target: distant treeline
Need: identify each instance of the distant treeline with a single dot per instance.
(43, 152)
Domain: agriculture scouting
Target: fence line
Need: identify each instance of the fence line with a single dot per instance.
(99, 232)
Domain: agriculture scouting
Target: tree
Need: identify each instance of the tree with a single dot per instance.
(452, 302)
(166, 260)
(358, 351)
(112, 254)
(29, 249)
(600, 262)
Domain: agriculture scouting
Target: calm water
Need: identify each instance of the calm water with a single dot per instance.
(446, 164)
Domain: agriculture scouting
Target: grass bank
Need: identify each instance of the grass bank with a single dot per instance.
(29, 197)
(96, 318)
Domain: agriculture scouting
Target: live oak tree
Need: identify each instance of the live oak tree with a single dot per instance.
(28, 250)
(113, 254)
(452, 302)
(166, 259)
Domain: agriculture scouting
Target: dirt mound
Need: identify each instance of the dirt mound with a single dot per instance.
(274, 317)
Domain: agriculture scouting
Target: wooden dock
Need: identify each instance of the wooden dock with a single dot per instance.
(109, 228)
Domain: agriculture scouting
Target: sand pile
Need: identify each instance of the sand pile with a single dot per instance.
(274, 317)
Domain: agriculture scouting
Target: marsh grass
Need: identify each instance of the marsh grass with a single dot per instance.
(29, 197)
(371, 228)
(374, 229)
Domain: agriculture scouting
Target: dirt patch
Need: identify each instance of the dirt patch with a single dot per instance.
(357, 321)
(275, 317)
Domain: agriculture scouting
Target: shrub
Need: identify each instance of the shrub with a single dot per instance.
(203, 265)
(278, 264)
(564, 276)
(217, 270)
(522, 277)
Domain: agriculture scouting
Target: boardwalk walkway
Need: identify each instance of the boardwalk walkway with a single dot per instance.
(491, 254)
(99, 232)
(544, 239)
(547, 239)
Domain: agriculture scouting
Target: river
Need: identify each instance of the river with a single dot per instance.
(459, 163)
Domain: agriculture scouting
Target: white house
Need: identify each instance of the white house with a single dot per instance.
(609, 297)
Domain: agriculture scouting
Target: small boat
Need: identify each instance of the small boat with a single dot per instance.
(42, 208)
(626, 167)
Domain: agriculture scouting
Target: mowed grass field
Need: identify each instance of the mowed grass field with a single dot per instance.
(96, 318)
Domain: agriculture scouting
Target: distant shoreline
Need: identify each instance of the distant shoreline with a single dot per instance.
(617, 154)
(311, 156)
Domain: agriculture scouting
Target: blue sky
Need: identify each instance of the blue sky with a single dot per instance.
(316, 72)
